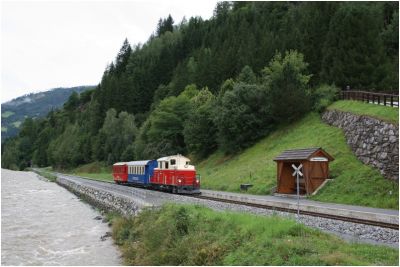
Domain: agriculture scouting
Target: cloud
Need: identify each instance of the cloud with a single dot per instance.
(60, 44)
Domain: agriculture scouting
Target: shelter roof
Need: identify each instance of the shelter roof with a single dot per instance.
(301, 154)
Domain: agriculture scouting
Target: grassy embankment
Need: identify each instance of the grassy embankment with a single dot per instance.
(46, 174)
(95, 170)
(353, 183)
(380, 112)
(193, 235)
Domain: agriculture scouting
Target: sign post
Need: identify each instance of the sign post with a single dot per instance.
(297, 172)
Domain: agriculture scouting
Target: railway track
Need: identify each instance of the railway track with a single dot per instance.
(315, 214)
(142, 193)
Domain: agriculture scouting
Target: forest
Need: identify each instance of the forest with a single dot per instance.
(200, 85)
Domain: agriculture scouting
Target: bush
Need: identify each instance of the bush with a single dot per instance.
(323, 96)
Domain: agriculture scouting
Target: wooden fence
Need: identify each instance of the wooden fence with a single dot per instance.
(371, 97)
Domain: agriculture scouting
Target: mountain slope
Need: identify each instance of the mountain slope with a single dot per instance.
(353, 183)
(33, 105)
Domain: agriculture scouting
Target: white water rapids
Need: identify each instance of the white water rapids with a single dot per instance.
(43, 224)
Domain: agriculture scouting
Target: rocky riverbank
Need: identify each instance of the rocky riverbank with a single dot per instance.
(104, 199)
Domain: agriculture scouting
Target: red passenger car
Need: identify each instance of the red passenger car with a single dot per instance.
(120, 172)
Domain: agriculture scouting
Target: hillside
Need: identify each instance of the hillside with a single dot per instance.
(34, 105)
(353, 182)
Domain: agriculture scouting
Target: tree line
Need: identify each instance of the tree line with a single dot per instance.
(222, 83)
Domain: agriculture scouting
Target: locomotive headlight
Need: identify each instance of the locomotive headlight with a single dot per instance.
(197, 181)
(179, 181)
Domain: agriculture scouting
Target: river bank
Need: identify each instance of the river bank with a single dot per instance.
(195, 235)
(44, 224)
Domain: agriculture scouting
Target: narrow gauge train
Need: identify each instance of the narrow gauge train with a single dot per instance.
(172, 173)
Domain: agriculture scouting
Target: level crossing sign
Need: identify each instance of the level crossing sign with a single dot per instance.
(297, 172)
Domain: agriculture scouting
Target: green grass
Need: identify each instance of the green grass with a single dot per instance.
(194, 235)
(353, 183)
(44, 173)
(94, 170)
(7, 114)
(17, 124)
(388, 114)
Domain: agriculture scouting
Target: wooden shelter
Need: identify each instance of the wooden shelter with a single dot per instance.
(315, 170)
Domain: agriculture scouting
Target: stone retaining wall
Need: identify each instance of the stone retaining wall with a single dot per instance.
(373, 141)
(103, 199)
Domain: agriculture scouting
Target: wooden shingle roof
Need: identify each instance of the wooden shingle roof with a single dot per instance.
(300, 154)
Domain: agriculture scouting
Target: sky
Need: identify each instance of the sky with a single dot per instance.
(49, 44)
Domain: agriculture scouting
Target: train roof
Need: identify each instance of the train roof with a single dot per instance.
(173, 157)
(139, 162)
(133, 163)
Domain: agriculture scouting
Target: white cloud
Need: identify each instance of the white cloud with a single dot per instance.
(69, 43)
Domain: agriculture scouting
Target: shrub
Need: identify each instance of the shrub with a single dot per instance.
(323, 96)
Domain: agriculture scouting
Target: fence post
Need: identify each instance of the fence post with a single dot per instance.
(391, 100)
(379, 99)
(384, 100)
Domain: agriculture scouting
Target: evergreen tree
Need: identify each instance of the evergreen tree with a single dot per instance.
(353, 51)
(165, 25)
(122, 58)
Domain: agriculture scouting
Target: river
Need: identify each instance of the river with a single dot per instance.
(44, 224)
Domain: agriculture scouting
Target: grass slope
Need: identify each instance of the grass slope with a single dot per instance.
(388, 114)
(353, 183)
(95, 170)
(194, 235)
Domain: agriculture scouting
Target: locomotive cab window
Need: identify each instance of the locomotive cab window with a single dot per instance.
(173, 162)
(166, 165)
